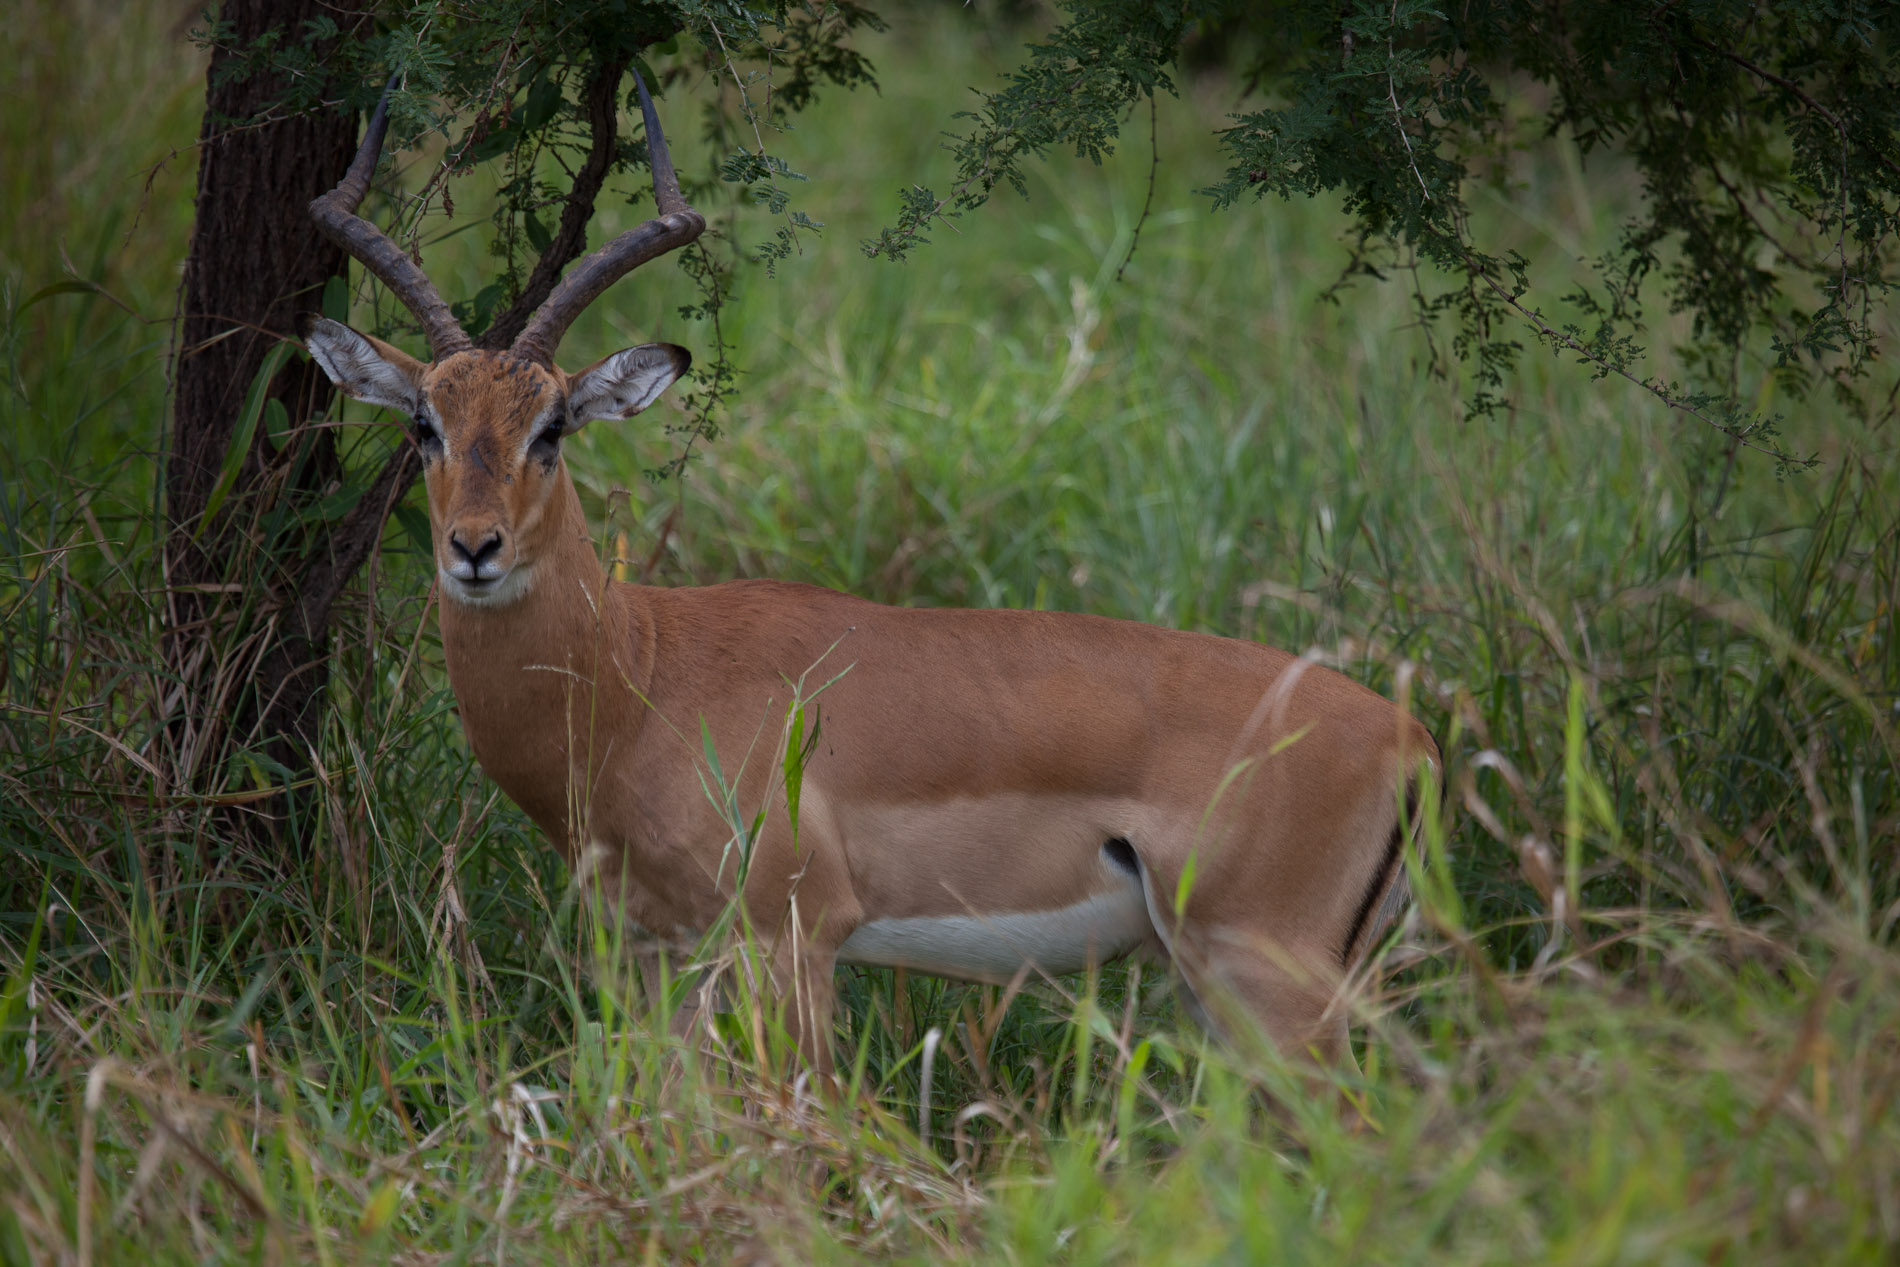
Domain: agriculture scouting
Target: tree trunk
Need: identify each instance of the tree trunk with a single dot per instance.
(247, 676)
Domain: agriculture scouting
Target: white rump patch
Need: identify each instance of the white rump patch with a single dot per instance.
(994, 947)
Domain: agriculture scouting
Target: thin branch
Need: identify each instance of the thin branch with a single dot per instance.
(602, 98)
(1778, 81)
(330, 568)
(750, 111)
(1840, 127)
(1570, 341)
(1392, 95)
(1147, 204)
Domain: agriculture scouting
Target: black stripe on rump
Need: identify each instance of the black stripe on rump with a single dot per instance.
(1377, 885)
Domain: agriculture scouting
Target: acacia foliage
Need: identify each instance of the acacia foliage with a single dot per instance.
(1763, 136)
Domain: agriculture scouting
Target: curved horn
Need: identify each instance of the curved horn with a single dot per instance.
(675, 226)
(335, 214)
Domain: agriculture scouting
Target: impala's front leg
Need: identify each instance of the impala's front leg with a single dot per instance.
(808, 990)
(805, 962)
(800, 897)
(660, 968)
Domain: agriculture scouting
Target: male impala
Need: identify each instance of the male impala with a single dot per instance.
(988, 789)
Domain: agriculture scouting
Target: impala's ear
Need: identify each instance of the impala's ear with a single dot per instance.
(365, 368)
(625, 383)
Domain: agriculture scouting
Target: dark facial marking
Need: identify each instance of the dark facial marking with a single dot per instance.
(508, 391)
(428, 440)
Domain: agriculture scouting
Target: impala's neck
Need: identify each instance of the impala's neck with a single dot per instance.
(566, 635)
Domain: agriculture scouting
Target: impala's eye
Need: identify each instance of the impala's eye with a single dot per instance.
(425, 432)
(550, 436)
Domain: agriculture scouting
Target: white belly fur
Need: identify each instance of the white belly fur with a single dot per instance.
(993, 947)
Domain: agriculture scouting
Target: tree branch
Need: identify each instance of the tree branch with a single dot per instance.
(1769, 76)
(570, 240)
(334, 562)
(1564, 339)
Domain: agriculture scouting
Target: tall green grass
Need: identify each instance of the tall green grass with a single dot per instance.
(1645, 1010)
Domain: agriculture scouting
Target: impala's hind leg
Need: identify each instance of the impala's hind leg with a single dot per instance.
(1241, 986)
(1254, 989)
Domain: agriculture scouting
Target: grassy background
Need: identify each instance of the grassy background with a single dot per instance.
(1646, 1010)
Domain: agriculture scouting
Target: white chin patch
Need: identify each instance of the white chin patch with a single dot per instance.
(492, 594)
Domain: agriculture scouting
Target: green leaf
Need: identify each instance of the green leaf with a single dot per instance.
(277, 425)
(493, 145)
(1131, 1082)
(543, 100)
(538, 235)
(240, 1013)
(13, 996)
(794, 765)
(380, 1208)
(60, 288)
(712, 757)
(243, 433)
(646, 72)
(415, 525)
(332, 506)
(1185, 885)
(336, 299)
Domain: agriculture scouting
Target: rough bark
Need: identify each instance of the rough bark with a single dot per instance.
(246, 674)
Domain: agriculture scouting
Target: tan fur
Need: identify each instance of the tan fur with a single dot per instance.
(968, 762)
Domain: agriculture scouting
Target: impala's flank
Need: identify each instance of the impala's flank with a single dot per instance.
(988, 790)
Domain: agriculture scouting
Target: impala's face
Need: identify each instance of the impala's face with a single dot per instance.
(489, 427)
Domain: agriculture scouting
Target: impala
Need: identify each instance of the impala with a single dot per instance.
(988, 792)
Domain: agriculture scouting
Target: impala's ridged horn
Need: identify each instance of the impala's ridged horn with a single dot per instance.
(335, 214)
(676, 226)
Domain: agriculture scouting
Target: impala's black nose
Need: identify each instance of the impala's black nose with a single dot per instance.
(467, 563)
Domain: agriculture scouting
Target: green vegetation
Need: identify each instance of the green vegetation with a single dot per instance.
(1645, 1011)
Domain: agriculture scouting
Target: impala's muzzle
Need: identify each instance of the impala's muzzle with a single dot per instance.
(477, 563)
